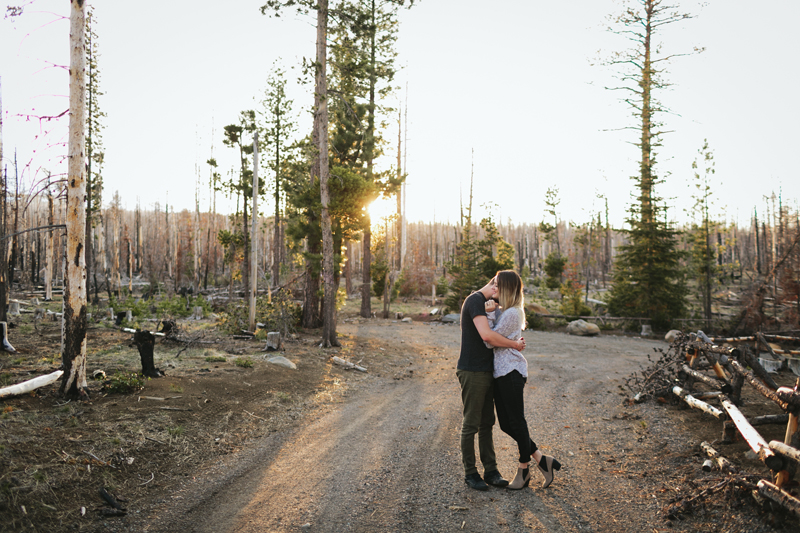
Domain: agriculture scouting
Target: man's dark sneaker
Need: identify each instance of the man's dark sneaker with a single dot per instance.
(494, 478)
(475, 482)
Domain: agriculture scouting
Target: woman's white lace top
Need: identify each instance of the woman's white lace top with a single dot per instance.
(507, 323)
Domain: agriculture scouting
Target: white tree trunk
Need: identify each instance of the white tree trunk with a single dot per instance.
(49, 250)
(196, 240)
(116, 275)
(74, 324)
(30, 385)
(254, 238)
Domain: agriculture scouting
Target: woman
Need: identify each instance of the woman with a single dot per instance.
(511, 373)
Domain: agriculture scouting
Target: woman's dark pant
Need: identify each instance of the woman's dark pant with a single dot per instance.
(508, 401)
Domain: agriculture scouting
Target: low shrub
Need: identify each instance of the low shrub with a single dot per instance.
(124, 383)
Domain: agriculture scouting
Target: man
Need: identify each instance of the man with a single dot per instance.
(474, 371)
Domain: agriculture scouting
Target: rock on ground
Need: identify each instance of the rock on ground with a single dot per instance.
(581, 327)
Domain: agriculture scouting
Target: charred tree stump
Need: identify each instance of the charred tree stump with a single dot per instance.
(736, 383)
(146, 342)
(273, 341)
(169, 328)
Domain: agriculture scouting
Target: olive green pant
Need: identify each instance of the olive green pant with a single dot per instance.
(477, 390)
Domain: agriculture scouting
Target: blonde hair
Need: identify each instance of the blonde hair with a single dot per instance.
(509, 292)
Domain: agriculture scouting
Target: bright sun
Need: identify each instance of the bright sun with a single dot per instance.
(382, 208)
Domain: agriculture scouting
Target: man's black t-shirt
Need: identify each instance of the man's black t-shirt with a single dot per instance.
(475, 356)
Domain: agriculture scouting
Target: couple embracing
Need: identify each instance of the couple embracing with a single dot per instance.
(492, 372)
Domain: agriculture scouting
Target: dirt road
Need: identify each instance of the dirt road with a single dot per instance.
(387, 459)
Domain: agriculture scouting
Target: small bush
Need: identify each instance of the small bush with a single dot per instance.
(534, 321)
(244, 362)
(125, 383)
(280, 314)
(554, 268)
(179, 307)
(442, 287)
(176, 431)
(138, 308)
(215, 359)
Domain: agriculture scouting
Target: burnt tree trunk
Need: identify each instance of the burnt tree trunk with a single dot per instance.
(146, 342)
(73, 341)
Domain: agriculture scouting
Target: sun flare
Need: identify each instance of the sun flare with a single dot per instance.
(382, 208)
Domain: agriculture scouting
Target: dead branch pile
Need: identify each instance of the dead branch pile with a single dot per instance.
(694, 359)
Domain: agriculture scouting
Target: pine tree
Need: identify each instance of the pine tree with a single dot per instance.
(278, 128)
(94, 144)
(243, 184)
(476, 260)
(648, 276)
(703, 252)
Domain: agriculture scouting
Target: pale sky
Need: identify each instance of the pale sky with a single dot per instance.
(515, 82)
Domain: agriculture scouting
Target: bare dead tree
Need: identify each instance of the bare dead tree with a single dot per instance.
(73, 342)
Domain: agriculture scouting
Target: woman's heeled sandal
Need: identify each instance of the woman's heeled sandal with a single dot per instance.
(548, 465)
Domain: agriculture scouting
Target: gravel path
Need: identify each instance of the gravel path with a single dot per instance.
(387, 459)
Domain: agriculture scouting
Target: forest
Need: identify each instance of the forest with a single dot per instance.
(320, 218)
(307, 232)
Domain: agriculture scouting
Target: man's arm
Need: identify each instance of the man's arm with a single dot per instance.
(494, 338)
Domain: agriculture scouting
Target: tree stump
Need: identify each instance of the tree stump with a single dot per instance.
(146, 342)
(169, 328)
(198, 313)
(13, 309)
(4, 344)
(273, 341)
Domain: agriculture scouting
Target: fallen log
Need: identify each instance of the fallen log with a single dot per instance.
(790, 396)
(697, 404)
(759, 370)
(715, 383)
(785, 450)
(154, 333)
(763, 341)
(714, 362)
(758, 385)
(30, 385)
(781, 497)
(347, 364)
(729, 428)
(722, 464)
(753, 438)
(707, 395)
